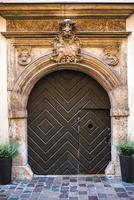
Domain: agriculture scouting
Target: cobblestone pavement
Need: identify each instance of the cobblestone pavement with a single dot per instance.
(68, 188)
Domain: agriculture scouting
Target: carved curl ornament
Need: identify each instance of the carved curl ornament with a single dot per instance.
(24, 55)
(111, 55)
(67, 47)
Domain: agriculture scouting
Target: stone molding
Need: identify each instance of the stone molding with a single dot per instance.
(47, 42)
(89, 64)
(67, 1)
(65, 10)
(96, 34)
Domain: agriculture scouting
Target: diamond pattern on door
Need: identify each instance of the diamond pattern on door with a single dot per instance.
(68, 123)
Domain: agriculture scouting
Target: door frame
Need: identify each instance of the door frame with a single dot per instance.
(42, 66)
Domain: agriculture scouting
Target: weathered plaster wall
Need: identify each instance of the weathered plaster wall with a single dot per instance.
(130, 27)
(3, 85)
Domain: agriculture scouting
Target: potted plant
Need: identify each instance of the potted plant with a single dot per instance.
(7, 152)
(126, 155)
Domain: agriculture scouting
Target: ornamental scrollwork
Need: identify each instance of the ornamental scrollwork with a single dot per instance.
(24, 55)
(90, 24)
(111, 55)
(66, 46)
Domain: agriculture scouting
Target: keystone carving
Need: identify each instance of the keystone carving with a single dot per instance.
(111, 55)
(24, 55)
(67, 47)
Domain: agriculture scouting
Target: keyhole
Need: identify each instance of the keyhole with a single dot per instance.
(90, 126)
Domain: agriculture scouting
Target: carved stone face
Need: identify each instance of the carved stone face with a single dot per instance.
(24, 56)
(67, 30)
(111, 54)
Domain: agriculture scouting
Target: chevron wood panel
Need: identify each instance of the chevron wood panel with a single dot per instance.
(68, 123)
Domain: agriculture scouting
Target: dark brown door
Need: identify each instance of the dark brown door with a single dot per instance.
(68, 125)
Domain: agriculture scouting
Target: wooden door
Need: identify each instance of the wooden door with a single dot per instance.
(68, 125)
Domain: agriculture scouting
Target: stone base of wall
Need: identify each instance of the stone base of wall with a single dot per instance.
(22, 172)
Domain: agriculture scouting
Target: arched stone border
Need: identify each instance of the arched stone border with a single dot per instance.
(42, 66)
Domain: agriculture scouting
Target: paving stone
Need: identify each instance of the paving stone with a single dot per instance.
(68, 188)
(119, 190)
(122, 194)
(82, 185)
(65, 184)
(73, 198)
(64, 195)
(35, 198)
(102, 195)
(107, 185)
(130, 189)
(25, 196)
(89, 179)
(82, 192)
(92, 198)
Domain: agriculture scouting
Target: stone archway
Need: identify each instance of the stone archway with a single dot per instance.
(42, 66)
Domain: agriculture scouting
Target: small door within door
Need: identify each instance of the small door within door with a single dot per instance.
(68, 123)
(94, 139)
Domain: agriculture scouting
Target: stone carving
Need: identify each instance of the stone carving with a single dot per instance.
(111, 55)
(66, 44)
(24, 55)
(32, 25)
(115, 25)
(52, 25)
(102, 25)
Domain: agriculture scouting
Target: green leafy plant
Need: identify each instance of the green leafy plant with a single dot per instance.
(8, 150)
(126, 148)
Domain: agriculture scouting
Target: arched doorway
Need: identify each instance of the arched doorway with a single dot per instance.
(68, 125)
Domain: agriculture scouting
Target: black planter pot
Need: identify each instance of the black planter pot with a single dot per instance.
(5, 170)
(127, 168)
